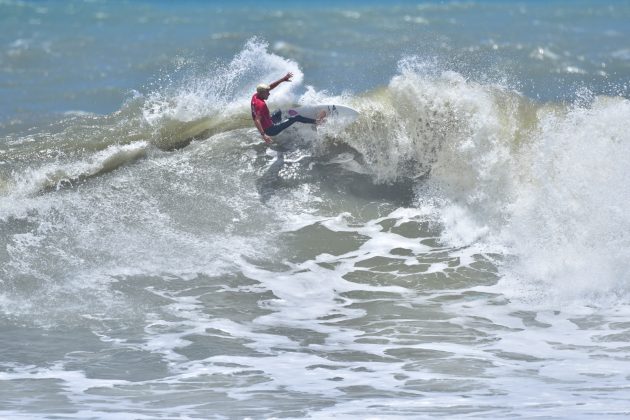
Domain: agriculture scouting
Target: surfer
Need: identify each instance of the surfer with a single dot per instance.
(265, 123)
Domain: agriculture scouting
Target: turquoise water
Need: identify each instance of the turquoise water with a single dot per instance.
(460, 250)
(90, 56)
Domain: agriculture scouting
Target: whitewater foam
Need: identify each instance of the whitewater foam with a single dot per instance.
(569, 224)
(543, 183)
(227, 88)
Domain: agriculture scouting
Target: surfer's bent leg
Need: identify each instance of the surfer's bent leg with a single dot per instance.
(276, 117)
(277, 128)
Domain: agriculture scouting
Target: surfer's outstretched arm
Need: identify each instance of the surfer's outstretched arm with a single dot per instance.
(286, 78)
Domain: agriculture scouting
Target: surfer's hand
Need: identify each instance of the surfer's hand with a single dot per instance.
(288, 77)
(267, 139)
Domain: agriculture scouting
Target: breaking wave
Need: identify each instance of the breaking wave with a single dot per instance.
(544, 183)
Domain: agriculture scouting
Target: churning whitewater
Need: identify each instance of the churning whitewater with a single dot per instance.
(460, 250)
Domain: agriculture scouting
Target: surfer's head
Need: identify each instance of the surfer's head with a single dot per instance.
(263, 90)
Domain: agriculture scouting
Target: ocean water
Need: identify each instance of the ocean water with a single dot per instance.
(461, 250)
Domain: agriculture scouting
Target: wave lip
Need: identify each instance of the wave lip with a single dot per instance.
(57, 176)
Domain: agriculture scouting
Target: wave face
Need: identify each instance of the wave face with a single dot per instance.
(460, 249)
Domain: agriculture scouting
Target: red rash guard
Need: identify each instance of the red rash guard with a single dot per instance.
(259, 108)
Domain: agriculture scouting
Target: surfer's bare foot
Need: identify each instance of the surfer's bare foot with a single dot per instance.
(321, 117)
